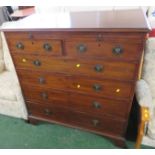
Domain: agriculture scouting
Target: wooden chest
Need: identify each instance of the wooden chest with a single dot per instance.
(82, 75)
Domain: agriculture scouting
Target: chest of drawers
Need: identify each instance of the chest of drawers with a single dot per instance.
(84, 75)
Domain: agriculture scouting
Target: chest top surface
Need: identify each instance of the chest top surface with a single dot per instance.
(111, 20)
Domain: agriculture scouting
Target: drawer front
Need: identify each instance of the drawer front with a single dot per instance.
(98, 124)
(82, 103)
(96, 69)
(43, 79)
(41, 47)
(99, 106)
(45, 96)
(105, 49)
(103, 88)
(100, 88)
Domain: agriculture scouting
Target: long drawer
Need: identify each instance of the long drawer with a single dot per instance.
(94, 68)
(99, 124)
(77, 102)
(100, 88)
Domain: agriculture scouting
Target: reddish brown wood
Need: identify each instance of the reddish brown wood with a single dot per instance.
(79, 84)
(84, 102)
(36, 47)
(77, 118)
(107, 21)
(58, 85)
(110, 69)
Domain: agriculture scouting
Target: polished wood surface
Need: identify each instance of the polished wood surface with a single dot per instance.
(83, 75)
(108, 21)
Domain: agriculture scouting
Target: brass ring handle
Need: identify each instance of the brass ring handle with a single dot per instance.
(47, 47)
(20, 46)
(95, 122)
(117, 50)
(98, 68)
(47, 112)
(96, 105)
(37, 63)
(44, 95)
(97, 87)
(41, 80)
(82, 48)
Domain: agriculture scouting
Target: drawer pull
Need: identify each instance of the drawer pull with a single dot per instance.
(96, 105)
(98, 68)
(82, 48)
(95, 122)
(47, 47)
(44, 95)
(41, 80)
(30, 36)
(47, 112)
(99, 37)
(37, 63)
(97, 87)
(117, 50)
(20, 46)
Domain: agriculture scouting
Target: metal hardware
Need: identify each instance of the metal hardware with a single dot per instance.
(47, 47)
(118, 90)
(37, 63)
(78, 65)
(96, 105)
(24, 60)
(82, 48)
(99, 37)
(98, 68)
(97, 87)
(95, 122)
(20, 46)
(47, 112)
(44, 95)
(30, 36)
(117, 50)
(78, 86)
(41, 80)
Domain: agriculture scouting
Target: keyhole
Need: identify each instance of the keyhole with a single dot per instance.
(32, 42)
(99, 45)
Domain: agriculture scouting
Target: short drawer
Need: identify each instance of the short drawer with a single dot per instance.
(116, 49)
(102, 88)
(43, 79)
(82, 120)
(82, 103)
(45, 96)
(99, 106)
(36, 47)
(94, 68)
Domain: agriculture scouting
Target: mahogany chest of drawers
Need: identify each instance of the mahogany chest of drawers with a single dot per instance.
(82, 75)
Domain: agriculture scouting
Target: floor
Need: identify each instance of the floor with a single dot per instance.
(16, 133)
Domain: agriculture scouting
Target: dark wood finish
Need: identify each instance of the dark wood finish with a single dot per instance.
(83, 74)
(77, 118)
(103, 48)
(97, 106)
(96, 21)
(107, 69)
(79, 84)
(37, 47)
